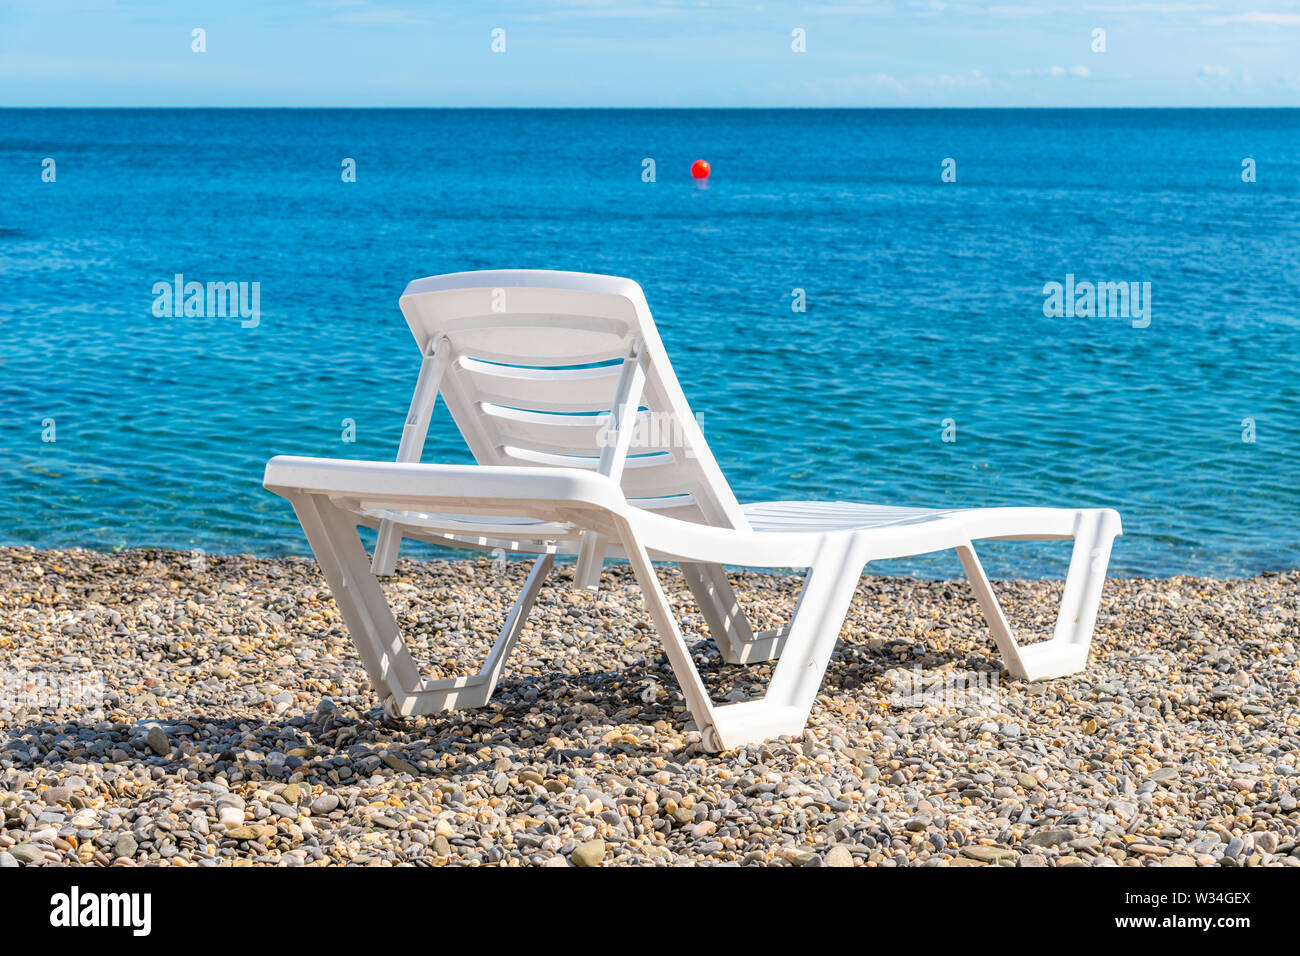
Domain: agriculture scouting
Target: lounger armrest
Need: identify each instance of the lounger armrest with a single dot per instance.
(459, 485)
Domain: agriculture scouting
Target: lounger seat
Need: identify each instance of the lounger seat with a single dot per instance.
(587, 448)
(834, 515)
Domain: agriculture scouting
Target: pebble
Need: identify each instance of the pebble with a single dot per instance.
(989, 854)
(590, 853)
(1046, 838)
(394, 762)
(231, 816)
(1148, 849)
(157, 741)
(325, 803)
(250, 832)
(838, 855)
(27, 853)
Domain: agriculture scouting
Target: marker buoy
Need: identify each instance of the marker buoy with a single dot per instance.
(700, 169)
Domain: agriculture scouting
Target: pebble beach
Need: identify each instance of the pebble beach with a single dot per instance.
(168, 708)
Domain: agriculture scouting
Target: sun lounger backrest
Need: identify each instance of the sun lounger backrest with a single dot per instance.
(531, 364)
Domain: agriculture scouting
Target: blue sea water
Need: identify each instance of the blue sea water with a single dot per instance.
(924, 303)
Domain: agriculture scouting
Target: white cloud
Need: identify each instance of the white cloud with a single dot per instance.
(1255, 16)
(856, 85)
(382, 17)
(1152, 8)
(972, 80)
(365, 12)
(1015, 12)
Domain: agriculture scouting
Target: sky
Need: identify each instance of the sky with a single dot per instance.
(648, 53)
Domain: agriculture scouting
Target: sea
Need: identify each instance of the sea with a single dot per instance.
(945, 308)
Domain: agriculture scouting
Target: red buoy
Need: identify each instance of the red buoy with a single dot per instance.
(700, 169)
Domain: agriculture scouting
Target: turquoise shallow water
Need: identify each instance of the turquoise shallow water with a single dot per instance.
(924, 303)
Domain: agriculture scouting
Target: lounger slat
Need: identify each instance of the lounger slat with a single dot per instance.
(664, 503)
(575, 435)
(545, 390)
(452, 524)
(537, 338)
(638, 462)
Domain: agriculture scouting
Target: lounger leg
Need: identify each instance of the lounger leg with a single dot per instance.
(361, 601)
(342, 558)
(454, 693)
(737, 642)
(591, 559)
(387, 543)
(1067, 651)
(814, 630)
(613, 458)
(436, 359)
(679, 655)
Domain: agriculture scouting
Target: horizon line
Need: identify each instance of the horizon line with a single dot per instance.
(899, 109)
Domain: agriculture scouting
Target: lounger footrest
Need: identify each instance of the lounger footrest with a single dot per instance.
(1049, 659)
(751, 722)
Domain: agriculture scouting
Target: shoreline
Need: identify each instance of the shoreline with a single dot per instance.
(234, 725)
(470, 556)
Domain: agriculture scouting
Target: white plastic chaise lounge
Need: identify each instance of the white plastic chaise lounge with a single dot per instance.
(586, 447)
